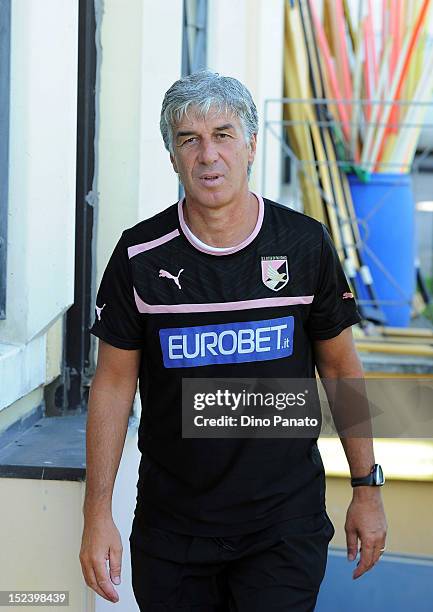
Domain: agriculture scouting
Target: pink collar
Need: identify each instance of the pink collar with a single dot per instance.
(237, 247)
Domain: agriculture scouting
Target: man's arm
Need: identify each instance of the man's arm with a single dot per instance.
(337, 358)
(110, 399)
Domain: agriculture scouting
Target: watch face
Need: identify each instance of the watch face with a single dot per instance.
(378, 475)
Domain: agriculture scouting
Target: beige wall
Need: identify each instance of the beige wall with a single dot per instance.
(408, 507)
(40, 533)
(407, 493)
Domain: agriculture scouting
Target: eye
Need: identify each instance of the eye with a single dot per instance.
(188, 140)
(222, 135)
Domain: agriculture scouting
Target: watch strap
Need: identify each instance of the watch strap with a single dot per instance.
(370, 479)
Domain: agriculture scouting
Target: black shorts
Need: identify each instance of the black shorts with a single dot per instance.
(277, 568)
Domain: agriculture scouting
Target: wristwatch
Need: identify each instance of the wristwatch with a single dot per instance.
(374, 479)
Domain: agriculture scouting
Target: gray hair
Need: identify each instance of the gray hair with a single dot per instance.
(202, 91)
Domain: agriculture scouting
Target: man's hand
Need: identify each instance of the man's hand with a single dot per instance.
(365, 520)
(101, 542)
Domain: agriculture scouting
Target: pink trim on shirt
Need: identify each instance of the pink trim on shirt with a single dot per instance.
(220, 306)
(147, 246)
(236, 247)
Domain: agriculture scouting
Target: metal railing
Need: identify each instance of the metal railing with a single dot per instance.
(320, 117)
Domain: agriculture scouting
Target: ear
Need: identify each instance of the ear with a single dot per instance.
(252, 148)
(173, 162)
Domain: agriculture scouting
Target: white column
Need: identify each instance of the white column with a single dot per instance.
(42, 167)
(246, 41)
(161, 66)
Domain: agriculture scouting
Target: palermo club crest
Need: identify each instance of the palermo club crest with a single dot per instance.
(275, 272)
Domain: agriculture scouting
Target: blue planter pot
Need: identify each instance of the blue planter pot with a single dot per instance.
(385, 210)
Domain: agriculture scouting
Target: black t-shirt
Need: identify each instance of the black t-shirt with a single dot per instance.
(197, 312)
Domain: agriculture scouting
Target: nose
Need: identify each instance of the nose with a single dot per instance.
(208, 153)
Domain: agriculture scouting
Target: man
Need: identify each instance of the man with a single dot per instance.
(220, 523)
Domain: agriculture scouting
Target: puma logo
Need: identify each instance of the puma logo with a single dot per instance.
(166, 274)
(98, 311)
(347, 295)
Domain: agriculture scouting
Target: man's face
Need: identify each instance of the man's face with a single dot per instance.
(211, 157)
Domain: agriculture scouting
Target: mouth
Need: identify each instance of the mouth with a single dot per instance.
(211, 179)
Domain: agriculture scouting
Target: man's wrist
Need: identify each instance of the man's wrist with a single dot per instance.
(97, 508)
(366, 493)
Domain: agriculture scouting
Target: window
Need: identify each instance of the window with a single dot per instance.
(194, 36)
